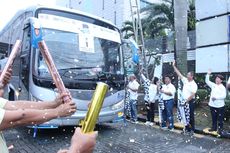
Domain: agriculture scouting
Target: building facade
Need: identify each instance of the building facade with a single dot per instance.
(212, 36)
(116, 11)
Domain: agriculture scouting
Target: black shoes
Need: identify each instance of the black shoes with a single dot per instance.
(211, 130)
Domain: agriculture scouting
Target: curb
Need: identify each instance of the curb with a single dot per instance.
(176, 126)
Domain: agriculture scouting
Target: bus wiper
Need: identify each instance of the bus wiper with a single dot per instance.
(104, 74)
(76, 68)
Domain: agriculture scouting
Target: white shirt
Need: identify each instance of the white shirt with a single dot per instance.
(228, 80)
(168, 88)
(189, 87)
(3, 147)
(133, 85)
(150, 90)
(218, 92)
(152, 93)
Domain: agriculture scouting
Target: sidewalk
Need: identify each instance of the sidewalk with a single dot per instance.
(179, 126)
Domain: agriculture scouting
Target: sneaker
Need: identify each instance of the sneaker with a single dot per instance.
(151, 123)
(164, 128)
(136, 122)
(147, 123)
(171, 129)
(185, 132)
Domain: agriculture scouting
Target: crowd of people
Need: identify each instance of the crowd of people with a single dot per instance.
(21, 113)
(165, 92)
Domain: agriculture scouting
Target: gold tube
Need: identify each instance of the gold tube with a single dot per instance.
(95, 107)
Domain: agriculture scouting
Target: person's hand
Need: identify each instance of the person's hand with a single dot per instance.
(60, 98)
(7, 77)
(213, 98)
(174, 63)
(162, 91)
(82, 143)
(209, 71)
(66, 109)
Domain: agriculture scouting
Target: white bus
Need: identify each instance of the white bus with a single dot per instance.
(85, 48)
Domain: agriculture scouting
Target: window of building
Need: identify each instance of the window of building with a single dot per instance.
(115, 17)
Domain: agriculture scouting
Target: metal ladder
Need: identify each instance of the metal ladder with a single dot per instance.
(137, 27)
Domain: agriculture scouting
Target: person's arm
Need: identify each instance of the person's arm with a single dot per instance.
(171, 91)
(18, 117)
(13, 105)
(167, 93)
(190, 97)
(221, 96)
(177, 71)
(207, 80)
(82, 143)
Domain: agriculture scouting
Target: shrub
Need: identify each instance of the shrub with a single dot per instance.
(201, 96)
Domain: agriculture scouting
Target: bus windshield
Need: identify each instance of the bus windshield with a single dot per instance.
(84, 58)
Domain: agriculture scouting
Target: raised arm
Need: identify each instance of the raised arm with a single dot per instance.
(20, 117)
(176, 70)
(207, 80)
(13, 105)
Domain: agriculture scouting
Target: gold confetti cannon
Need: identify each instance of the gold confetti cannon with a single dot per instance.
(94, 108)
(10, 61)
(52, 69)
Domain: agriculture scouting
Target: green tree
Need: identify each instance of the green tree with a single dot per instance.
(127, 30)
(158, 17)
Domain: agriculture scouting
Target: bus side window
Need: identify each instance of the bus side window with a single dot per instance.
(25, 57)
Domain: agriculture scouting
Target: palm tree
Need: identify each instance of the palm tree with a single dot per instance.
(158, 18)
(161, 16)
(127, 30)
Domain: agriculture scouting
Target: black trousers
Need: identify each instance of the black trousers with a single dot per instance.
(191, 126)
(217, 114)
(150, 111)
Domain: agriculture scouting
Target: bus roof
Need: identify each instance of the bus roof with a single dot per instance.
(35, 7)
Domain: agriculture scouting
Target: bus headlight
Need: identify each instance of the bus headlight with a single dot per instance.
(118, 105)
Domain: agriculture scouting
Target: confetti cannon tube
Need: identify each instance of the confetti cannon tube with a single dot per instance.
(53, 70)
(95, 107)
(10, 61)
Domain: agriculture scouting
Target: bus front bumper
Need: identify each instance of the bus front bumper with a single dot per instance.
(108, 116)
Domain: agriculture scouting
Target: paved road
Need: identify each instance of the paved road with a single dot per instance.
(117, 138)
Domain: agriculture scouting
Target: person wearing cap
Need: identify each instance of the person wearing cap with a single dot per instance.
(133, 87)
(216, 102)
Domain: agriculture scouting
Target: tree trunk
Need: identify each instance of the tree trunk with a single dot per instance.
(180, 22)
